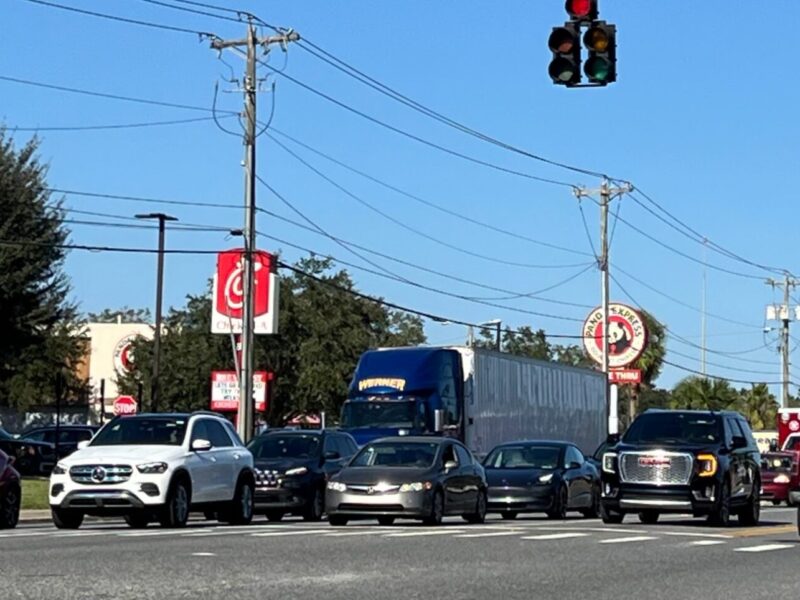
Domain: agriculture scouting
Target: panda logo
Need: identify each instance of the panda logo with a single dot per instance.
(618, 338)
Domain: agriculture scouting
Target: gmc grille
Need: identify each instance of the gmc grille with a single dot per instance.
(656, 468)
(100, 474)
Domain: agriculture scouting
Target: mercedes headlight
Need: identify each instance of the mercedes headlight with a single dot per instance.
(337, 486)
(297, 471)
(417, 486)
(152, 468)
(60, 469)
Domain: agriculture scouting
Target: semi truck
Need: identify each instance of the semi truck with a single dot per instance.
(479, 396)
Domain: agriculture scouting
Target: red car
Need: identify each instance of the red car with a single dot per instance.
(10, 493)
(780, 473)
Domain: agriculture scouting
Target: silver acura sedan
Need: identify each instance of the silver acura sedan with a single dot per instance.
(420, 478)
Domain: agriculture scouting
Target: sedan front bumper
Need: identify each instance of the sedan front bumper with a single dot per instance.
(518, 499)
(413, 505)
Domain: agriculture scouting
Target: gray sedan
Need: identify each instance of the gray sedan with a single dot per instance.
(408, 477)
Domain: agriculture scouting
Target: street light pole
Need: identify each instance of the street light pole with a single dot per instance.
(154, 389)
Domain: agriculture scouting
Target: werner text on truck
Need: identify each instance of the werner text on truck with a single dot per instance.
(479, 396)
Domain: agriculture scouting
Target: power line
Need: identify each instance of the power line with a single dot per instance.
(86, 92)
(421, 200)
(201, 34)
(409, 135)
(408, 227)
(141, 199)
(376, 85)
(721, 366)
(193, 11)
(117, 126)
(728, 379)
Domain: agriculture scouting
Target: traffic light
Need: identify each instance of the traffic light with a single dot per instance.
(601, 43)
(564, 43)
(582, 11)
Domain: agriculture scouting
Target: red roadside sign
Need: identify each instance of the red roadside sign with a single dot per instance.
(125, 405)
(625, 376)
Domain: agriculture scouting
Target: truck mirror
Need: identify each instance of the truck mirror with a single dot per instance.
(438, 420)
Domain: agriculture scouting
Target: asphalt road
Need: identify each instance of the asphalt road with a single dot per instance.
(526, 558)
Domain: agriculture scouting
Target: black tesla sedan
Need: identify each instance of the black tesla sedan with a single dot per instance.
(541, 476)
(421, 478)
(292, 467)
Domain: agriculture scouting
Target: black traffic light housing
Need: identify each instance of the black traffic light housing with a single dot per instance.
(581, 11)
(600, 41)
(565, 44)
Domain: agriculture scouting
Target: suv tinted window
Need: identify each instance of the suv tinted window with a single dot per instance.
(675, 428)
(217, 435)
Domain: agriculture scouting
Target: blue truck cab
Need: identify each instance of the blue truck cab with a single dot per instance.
(405, 391)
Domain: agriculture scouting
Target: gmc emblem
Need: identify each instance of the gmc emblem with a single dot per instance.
(653, 461)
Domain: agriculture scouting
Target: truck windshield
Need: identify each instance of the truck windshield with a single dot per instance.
(674, 429)
(163, 431)
(386, 413)
(524, 457)
(397, 454)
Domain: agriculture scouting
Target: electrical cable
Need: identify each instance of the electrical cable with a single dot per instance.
(117, 126)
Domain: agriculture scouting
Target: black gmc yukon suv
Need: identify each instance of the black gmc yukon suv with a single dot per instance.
(701, 462)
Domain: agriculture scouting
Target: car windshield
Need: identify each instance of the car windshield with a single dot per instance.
(524, 457)
(793, 443)
(674, 428)
(161, 431)
(284, 446)
(386, 413)
(776, 463)
(397, 454)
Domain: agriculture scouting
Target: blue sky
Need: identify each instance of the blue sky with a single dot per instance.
(702, 125)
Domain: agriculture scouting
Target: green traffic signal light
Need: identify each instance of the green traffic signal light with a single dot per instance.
(564, 43)
(600, 41)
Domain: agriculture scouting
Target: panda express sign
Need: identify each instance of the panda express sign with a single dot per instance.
(627, 335)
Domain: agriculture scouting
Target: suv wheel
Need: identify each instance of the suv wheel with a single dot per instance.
(9, 508)
(751, 513)
(240, 510)
(137, 520)
(176, 511)
(66, 519)
(721, 515)
(610, 516)
(316, 507)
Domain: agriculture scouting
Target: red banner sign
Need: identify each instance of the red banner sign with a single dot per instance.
(228, 294)
(625, 376)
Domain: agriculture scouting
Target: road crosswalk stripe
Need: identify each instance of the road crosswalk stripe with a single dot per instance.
(491, 534)
(706, 543)
(555, 536)
(624, 540)
(290, 533)
(764, 548)
(423, 533)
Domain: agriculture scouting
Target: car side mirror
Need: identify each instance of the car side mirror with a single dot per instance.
(332, 455)
(83, 444)
(450, 465)
(201, 445)
(438, 420)
(738, 442)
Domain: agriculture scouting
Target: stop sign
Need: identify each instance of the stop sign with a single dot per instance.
(125, 405)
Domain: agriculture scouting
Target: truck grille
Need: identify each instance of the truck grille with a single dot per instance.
(100, 474)
(656, 468)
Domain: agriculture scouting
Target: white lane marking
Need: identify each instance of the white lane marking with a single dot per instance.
(424, 533)
(555, 536)
(357, 533)
(706, 543)
(636, 538)
(491, 534)
(288, 533)
(764, 548)
(203, 554)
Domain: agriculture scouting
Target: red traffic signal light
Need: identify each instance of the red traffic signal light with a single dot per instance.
(582, 10)
(564, 43)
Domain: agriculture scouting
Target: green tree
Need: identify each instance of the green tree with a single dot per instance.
(758, 406)
(522, 342)
(323, 330)
(37, 321)
(702, 393)
(124, 315)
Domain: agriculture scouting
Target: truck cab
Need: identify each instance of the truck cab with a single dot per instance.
(405, 391)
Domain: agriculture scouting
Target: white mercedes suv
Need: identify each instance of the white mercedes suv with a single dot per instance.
(156, 467)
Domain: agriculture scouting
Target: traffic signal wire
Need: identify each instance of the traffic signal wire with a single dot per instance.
(419, 199)
(14, 128)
